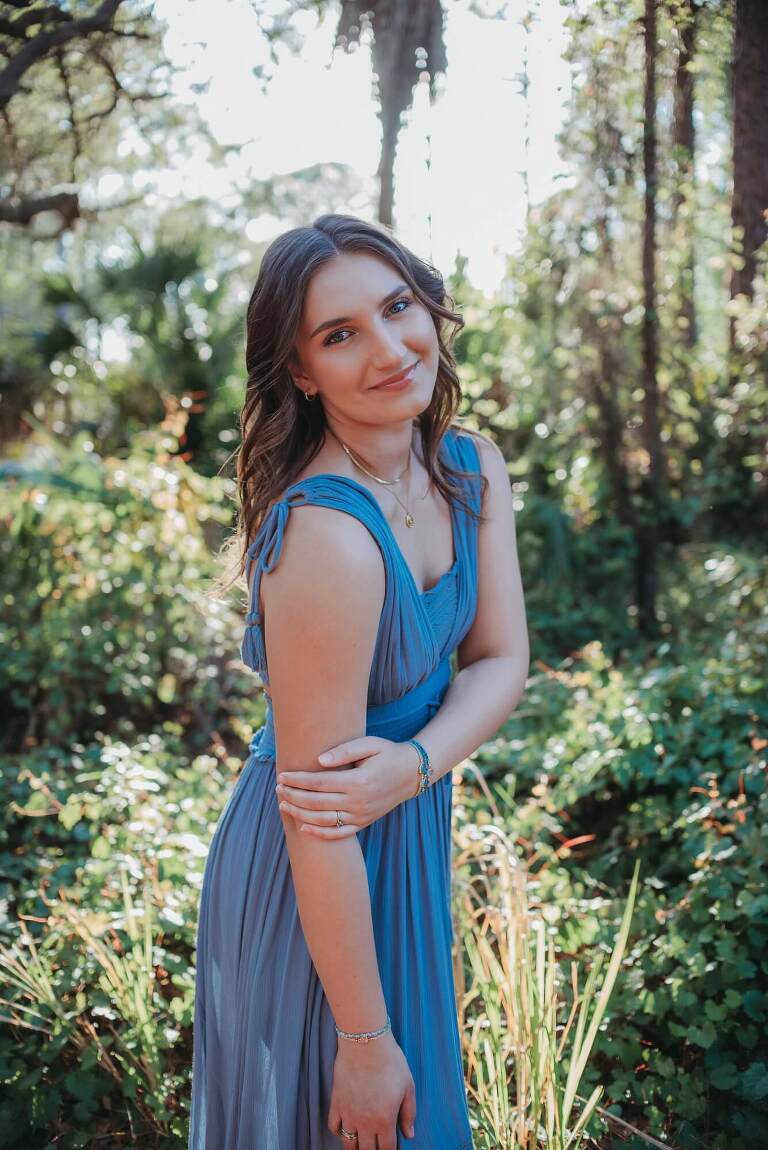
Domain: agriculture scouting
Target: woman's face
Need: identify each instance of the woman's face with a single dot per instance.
(361, 324)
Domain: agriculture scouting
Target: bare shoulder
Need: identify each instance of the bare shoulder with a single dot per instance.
(493, 466)
(326, 554)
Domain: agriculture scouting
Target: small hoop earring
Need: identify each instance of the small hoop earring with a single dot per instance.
(310, 398)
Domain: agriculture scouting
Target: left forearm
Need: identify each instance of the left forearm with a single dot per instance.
(479, 699)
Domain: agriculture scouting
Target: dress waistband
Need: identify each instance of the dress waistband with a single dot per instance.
(397, 719)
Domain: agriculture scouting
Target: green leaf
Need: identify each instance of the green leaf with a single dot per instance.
(724, 1077)
(702, 1035)
(754, 1004)
(100, 848)
(71, 813)
(754, 1082)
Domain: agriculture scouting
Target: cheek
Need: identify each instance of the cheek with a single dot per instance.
(338, 372)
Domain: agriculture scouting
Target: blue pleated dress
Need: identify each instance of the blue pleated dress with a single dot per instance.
(264, 1042)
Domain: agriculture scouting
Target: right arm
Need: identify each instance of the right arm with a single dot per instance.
(322, 605)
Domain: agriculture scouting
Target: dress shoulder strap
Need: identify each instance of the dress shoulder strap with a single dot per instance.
(464, 455)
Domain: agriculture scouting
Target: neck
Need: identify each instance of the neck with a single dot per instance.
(383, 450)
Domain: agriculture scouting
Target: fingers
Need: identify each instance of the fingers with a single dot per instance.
(344, 832)
(316, 780)
(318, 820)
(325, 827)
(302, 813)
(336, 1124)
(366, 1139)
(351, 750)
(407, 1115)
(312, 800)
(343, 753)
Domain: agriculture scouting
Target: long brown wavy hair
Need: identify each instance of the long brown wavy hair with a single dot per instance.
(280, 432)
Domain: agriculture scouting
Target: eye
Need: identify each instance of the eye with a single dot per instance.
(331, 342)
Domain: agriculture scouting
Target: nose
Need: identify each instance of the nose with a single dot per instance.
(388, 351)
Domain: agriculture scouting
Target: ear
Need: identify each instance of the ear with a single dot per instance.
(298, 375)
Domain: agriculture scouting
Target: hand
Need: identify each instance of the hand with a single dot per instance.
(373, 1090)
(388, 776)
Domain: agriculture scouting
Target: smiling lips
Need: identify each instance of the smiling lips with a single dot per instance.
(401, 379)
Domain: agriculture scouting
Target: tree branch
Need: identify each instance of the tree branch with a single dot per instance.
(21, 211)
(45, 41)
(18, 28)
(76, 143)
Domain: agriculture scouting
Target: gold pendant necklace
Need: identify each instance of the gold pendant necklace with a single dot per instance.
(409, 520)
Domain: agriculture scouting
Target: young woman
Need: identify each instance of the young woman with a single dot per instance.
(386, 619)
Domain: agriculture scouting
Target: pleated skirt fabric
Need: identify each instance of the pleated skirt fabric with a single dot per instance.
(264, 1036)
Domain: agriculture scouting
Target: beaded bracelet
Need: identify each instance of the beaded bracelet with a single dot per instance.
(425, 770)
(364, 1035)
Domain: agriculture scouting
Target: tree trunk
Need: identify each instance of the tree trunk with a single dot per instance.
(750, 137)
(390, 131)
(649, 493)
(407, 39)
(685, 145)
(611, 440)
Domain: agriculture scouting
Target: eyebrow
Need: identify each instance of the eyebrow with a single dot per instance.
(348, 319)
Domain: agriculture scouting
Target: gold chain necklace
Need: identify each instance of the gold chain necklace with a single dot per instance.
(409, 520)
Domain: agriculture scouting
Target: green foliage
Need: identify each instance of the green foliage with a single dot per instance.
(111, 979)
(662, 760)
(528, 1029)
(102, 570)
(127, 713)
